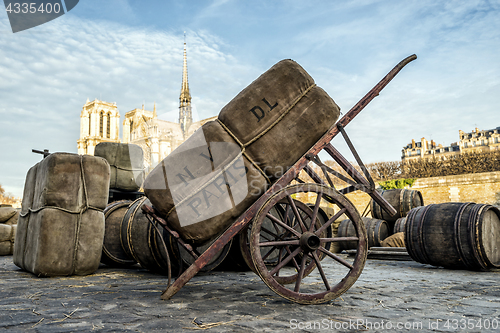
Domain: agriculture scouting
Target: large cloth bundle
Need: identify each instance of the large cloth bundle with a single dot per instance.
(61, 225)
(8, 215)
(215, 175)
(7, 237)
(126, 163)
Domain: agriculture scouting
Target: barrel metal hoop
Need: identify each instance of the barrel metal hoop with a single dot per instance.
(107, 211)
(409, 234)
(402, 202)
(420, 235)
(457, 239)
(473, 227)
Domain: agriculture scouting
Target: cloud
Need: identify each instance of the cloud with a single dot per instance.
(47, 77)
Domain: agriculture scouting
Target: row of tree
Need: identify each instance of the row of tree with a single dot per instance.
(6, 198)
(458, 164)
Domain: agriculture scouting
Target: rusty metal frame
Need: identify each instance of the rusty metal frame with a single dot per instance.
(359, 183)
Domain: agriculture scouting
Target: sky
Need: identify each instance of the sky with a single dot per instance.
(130, 52)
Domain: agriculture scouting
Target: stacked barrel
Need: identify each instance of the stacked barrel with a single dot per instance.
(382, 225)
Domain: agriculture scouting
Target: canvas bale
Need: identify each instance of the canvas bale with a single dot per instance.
(126, 164)
(6, 213)
(13, 219)
(396, 240)
(7, 237)
(279, 117)
(204, 184)
(61, 225)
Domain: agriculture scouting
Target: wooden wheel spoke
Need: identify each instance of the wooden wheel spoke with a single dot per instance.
(280, 254)
(293, 231)
(285, 261)
(264, 257)
(338, 239)
(266, 237)
(287, 211)
(330, 221)
(293, 259)
(280, 243)
(269, 232)
(296, 213)
(336, 258)
(315, 211)
(320, 268)
(301, 273)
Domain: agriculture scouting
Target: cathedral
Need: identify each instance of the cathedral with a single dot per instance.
(99, 122)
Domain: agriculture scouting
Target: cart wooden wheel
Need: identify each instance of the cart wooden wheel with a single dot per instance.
(331, 276)
(270, 231)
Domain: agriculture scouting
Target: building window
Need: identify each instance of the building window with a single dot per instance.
(131, 128)
(108, 126)
(418, 151)
(101, 121)
(90, 123)
(482, 142)
(496, 140)
(466, 144)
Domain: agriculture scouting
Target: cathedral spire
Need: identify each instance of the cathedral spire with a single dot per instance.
(185, 97)
(185, 115)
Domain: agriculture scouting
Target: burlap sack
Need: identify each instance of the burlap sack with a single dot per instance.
(396, 240)
(279, 116)
(7, 237)
(126, 162)
(61, 226)
(6, 213)
(13, 219)
(204, 184)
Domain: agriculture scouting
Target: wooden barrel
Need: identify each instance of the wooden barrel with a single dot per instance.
(399, 225)
(215, 261)
(113, 253)
(454, 235)
(141, 240)
(376, 230)
(403, 200)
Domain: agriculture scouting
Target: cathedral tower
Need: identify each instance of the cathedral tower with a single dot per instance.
(99, 122)
(185, 114)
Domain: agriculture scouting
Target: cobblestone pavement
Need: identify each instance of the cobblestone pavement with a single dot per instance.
(399, 296)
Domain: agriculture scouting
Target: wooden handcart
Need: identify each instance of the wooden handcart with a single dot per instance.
(287, 245)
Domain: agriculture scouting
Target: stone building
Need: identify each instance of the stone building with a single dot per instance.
(99, 122)
(475, 141)
(157, 137)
